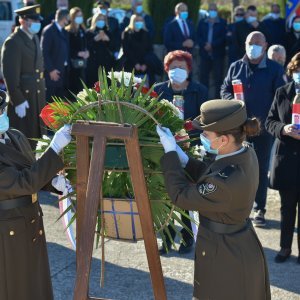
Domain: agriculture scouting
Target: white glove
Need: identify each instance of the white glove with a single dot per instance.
(21, 109)
(166, 138)
(62, 184)
(61, 138)
(182, 156)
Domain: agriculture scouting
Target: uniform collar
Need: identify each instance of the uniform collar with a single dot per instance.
(231, 154)
(5, 137)
(30, 36)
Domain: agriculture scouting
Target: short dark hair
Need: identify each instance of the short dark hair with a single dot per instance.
(61, 13)
(252, 7)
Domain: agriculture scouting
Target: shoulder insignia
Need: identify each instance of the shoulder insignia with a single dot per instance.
(226, 172)
(207, 188)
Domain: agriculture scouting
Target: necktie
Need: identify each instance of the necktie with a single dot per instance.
(185, 29)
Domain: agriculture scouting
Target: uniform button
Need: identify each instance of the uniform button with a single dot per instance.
(203, 253)
(37, 80)
(11, 233)
(27, 91)
(32, 221)
(295, 153)
(37, 70)
(38, 91)
(40, 232)
(33, 240)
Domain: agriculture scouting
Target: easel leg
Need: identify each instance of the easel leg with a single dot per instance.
(143, 204)
(85, 247)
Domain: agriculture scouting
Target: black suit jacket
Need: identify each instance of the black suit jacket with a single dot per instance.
(55, 47)
(286, 161)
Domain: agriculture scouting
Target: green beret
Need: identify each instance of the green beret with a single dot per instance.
(221, 115)
(3, 99)
(30, 12)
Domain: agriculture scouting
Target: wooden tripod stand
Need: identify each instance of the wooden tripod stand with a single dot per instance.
(89, 179)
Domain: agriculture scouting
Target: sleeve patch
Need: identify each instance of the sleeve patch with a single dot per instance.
(206, 188)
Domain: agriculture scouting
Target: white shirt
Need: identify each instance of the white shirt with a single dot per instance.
(180, 23)
(5, 137)
(58, 26)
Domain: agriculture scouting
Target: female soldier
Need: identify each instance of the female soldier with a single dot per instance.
(229, 260)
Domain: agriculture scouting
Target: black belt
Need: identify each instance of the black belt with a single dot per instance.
(223, 228)
(15, 203)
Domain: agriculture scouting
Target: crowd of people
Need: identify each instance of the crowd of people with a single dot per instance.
(47, 58)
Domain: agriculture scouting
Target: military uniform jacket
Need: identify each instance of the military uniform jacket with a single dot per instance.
(22, 67)
(24, 272)
(227, 266)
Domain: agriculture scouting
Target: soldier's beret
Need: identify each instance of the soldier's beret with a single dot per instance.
(221, 115)
(30, 12)
(3, 99)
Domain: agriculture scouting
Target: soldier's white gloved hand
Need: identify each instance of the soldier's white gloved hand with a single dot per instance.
(182, 156)
(61, 138)
(166, 138)
(62, 184)
(20, 109)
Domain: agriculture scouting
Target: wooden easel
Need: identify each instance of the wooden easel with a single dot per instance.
(89, 179)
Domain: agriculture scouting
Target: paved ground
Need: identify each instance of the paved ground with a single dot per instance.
(127, 276)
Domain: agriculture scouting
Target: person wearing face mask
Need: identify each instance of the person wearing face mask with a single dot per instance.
(179, 33)
(113, 25)
(229, 258)
(275, 26)
(137, 9)
(238, 16)
(292, 41)
(284, 173)
(211, 37)
(178, 66)
(55, 46)
(23, 249)
(260, 78)
(79, 53)
(245, 27)
(138, 50)
(22, 68)
(100, 48)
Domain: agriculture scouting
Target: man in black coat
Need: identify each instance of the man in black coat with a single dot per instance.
(55, 47)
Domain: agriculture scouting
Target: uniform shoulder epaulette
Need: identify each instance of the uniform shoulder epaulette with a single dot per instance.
(227, 171)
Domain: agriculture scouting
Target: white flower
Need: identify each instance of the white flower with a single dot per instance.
(126, 76)
(176, 111)
(41, 145)
(83, 95)
(199, 152)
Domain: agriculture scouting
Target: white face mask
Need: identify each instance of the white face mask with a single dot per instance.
(177, 75)
(254, 51)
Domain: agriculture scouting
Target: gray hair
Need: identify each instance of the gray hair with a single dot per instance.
(276, 49)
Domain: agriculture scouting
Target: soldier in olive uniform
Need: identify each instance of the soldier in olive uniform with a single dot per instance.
(229, 259)
(22, 67)
(24, 271)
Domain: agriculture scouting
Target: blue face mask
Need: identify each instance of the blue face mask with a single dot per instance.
(296, 77)
(103, 11)
(184, 15)
(100, 24)
(238, 19)
(212, 14)
(251, 19)
(4, 123)
(178, 75)
(207, 145)
(34, 28)
(78, 20)
(254, 51)
(139, 9)
(296, 26)
(138, 25)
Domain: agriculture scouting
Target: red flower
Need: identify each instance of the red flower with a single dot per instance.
(188, 125)
(145, 90)
(48, 114)
(97, 86)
